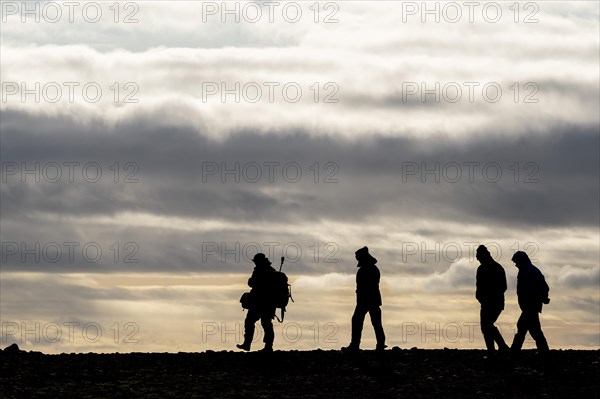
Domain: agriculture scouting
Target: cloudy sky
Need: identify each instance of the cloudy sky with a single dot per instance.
(150, 149)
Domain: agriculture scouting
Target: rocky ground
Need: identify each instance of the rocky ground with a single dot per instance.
(316, 374)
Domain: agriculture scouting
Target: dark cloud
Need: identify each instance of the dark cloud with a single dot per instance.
(556, 184)
(372, 184)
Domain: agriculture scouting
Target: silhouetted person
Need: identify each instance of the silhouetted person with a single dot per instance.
(491, 285)
(368, 300)
(532, 292)
(261, 308)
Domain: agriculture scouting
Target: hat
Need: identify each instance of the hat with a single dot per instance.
(520, 257)
(482, 249)
(363, 255)
(259, 258)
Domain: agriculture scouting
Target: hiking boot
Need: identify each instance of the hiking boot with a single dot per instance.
(381, 348)
(267, 349)
(244, 346)
(350, 349)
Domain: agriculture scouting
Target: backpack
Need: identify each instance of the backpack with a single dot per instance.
(281, 292)
(247, 300)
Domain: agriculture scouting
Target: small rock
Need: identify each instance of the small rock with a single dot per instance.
(11, 349)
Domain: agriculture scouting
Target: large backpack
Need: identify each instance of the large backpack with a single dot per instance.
(281, 292)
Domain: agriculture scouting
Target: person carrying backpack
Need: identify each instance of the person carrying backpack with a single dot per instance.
(259, 303)
(532, 292)
(368, 300)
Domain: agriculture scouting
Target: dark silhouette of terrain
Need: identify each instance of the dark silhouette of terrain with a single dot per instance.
(394, 373)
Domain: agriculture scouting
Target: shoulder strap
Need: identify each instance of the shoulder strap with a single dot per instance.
(282, 315)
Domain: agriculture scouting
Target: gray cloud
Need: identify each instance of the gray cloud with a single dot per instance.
(576, 278)
(554, 169)
(370, 187)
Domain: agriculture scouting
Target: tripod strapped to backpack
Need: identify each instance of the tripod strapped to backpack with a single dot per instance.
(282, 291)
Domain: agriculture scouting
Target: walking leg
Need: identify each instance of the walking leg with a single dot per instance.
(522, 327)
(375, 313)
(358, 319)
(266, 322)
(251, 318)
(535, 329)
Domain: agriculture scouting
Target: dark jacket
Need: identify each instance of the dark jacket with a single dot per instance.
(491, 283)
(261, 281)
(367, 285)
(532, 289)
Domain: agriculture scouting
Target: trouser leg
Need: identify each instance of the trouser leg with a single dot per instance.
(535, 329)
(522, 327)
(358, 319)
(491, 334)
(499, 338)
(251, 318)
(487, 324)
(375, 313)
(266, 322)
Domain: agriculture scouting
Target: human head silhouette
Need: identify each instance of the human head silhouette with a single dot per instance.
(482, 253)
(260, 259)
(363, 256)
(520, 258)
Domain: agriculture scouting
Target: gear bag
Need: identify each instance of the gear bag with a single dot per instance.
(280, 293)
